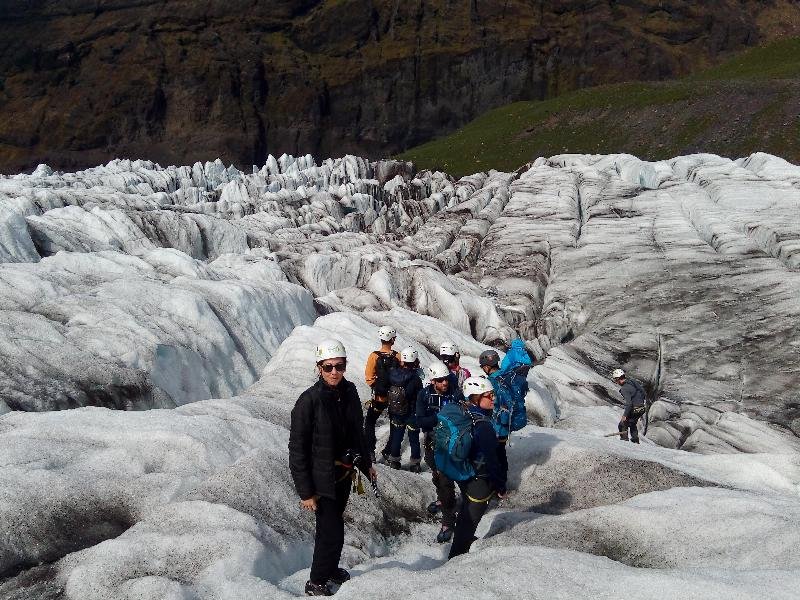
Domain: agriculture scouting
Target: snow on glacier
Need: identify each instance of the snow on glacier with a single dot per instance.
(130, 285)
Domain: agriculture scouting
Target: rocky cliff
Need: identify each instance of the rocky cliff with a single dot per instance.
(82, 81)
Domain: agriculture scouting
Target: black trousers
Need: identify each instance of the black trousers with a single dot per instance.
(376, 408)
(329, 537)
(630, 424)
(475, 496)
(445, 487)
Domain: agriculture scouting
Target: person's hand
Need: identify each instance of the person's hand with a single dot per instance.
(501, 495)
(310, 504)
(373, 474)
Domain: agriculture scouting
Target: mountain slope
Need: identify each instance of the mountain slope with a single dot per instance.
(84, 81)
(744, 105)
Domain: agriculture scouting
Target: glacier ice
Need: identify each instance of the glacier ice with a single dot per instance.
(198, 292)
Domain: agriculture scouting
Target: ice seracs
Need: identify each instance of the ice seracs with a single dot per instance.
(200, 291)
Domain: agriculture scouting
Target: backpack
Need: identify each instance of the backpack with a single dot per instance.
(384, 364)
(452, 441)
(509, 406)
(517, 356)
(397, 401)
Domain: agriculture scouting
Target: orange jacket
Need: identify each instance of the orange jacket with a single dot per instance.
(370, 371)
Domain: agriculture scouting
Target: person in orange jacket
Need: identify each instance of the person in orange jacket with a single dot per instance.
(376, 374)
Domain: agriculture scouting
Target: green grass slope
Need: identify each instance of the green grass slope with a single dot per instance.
(749, 103)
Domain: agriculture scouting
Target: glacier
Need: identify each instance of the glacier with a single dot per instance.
(159, 322)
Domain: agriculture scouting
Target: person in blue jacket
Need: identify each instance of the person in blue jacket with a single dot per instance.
(490, 475)
(404, 386)
(489, 360)
(442, 390)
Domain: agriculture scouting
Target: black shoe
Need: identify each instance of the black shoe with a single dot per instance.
(339, 577)
(386, 457)
(445, 535)
(317, 589)
(394, 464)
(415, 468)
(434, 508)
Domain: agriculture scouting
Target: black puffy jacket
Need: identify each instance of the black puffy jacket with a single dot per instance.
(326, 422)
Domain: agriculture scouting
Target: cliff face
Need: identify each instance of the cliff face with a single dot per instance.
(178, 80)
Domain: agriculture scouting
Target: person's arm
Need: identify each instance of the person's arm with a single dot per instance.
(300, 433)
(425, 420)
(370, 372)
(355, 419)
(413, 392)
(486, 441)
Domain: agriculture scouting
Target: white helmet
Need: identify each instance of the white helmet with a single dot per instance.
(330, 349)
(438, 370)
(448, 349)
(387, 333)
(617, 373)
(409, 355)
(476, 385)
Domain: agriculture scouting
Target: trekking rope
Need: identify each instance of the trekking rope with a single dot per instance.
(355, 475)
(481, 500)
(349, 471)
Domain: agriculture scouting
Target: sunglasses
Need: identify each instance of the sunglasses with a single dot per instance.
(439, 379)
(340, 367)
(487, 395)
(447, 359)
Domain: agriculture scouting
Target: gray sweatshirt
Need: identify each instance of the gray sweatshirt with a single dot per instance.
(634, 396)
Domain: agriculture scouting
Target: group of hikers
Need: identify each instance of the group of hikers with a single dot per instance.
(465, 420)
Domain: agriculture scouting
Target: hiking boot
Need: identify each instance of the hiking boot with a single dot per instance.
(317, 589)
(385, 457)
(394, 463)
(445, 535)
(434, 508)
(339, 576)
(415, 468)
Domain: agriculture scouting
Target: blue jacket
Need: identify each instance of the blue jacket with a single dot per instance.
(410, 381)
(429, 402)
(483, 452)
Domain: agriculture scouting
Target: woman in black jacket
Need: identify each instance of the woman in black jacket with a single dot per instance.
(325, 446)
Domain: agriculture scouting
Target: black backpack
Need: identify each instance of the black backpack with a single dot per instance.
(398, 403)
(384, 364)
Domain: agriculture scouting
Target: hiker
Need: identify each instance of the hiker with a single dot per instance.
(404, 386)
(325, 447)
(489, 477)
(635, 405)
(442, 390)
(376, 374)
(449, 355)
(489, 361)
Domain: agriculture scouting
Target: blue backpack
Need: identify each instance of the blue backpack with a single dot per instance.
(517, 356)
(452, 441)
(511, 386)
